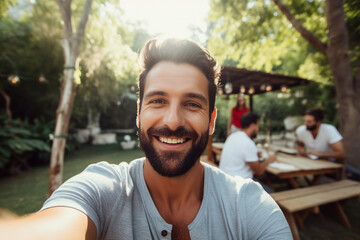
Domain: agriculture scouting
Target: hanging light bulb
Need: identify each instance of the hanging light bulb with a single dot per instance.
(268, 88)
(283, 88)
(228, 88)
(251, 90)
(42, 79)
(14, 79)
(242, 89)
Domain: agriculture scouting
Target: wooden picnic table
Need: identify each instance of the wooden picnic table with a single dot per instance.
(299, 166)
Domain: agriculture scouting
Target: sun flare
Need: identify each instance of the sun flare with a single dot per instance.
(168, 17)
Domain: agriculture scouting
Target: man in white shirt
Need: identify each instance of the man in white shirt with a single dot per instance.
(239, 156)
(319, 140)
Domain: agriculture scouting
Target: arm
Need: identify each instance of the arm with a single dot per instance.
(229, 124)
(55, 223)
(258, 167)
(338, 151)
(301, 148)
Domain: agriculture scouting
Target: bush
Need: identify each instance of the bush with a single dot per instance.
(19, 142)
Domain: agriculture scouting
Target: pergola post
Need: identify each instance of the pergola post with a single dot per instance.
(251, 102)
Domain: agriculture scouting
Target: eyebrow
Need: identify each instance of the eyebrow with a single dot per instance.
(197, 96)
(155, 93)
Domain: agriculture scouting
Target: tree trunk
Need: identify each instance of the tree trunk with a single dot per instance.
(70, 44)
(347, 87)
(7, 104)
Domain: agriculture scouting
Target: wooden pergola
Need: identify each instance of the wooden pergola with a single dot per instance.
(260, 82)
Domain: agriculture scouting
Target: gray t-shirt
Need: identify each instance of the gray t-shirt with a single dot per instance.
(117, 200)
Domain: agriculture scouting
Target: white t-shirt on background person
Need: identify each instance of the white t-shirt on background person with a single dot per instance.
(237, 151)
(326, 136)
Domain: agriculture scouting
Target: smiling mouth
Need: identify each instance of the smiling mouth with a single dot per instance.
(172, 140)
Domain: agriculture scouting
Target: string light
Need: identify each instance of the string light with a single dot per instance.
(14, 79)
(251, 90)
(262, 87)
(283, 88)
(42, 79)
(228, 88)
(268, 88)
(242, 89)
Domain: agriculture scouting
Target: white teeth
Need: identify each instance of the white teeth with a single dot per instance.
(172, 140)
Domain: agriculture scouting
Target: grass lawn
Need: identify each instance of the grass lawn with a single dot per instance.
(26, 193)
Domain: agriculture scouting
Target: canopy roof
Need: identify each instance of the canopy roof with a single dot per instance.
(258, 80)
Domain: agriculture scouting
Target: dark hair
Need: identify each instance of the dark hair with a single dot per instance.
(247, 119)
(179, 51)
(317, 113)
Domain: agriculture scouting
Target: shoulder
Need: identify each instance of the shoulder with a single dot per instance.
(300, 130)
(329, 127)
(234, 186)
(104, 170)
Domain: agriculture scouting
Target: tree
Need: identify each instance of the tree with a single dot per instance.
(71, 45)
(317, 35)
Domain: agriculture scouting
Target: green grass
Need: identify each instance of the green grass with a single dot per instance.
(26, 193)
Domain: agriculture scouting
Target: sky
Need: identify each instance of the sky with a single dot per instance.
(168, 17)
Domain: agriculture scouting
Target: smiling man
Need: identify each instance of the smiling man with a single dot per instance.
(169, 194)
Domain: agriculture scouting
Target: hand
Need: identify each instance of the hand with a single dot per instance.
(315, 153)
(271, 158)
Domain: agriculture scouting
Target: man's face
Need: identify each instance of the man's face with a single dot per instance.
(174, 117)
(310, 123)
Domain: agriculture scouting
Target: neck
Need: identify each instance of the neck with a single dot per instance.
(248, 131)
(315, 132)
(174, 192)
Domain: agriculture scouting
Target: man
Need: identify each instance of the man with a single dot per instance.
(319, 140)
(168, 194)
(240, 156)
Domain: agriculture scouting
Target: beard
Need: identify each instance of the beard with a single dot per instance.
(311, 128)
(172, 163)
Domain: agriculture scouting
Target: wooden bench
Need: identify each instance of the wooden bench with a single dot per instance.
(297, 203)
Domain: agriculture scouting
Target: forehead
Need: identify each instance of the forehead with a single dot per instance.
(309, 118)
(176, 78)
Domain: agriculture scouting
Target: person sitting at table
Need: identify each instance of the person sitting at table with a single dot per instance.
(240, 109)
(316, 139)
(240, 156)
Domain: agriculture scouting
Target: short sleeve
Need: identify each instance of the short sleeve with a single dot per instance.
(90, 193)
(250, 152)
(298, 133)
(334, 135)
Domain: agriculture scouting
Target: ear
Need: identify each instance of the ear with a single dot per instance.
(212, 122)
(138, 114)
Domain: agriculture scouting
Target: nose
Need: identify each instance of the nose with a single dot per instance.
(173, 117)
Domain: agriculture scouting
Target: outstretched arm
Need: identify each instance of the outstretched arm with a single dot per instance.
(57, 223)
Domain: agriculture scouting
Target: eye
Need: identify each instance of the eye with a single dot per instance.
(193, 105)
(157, 101)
